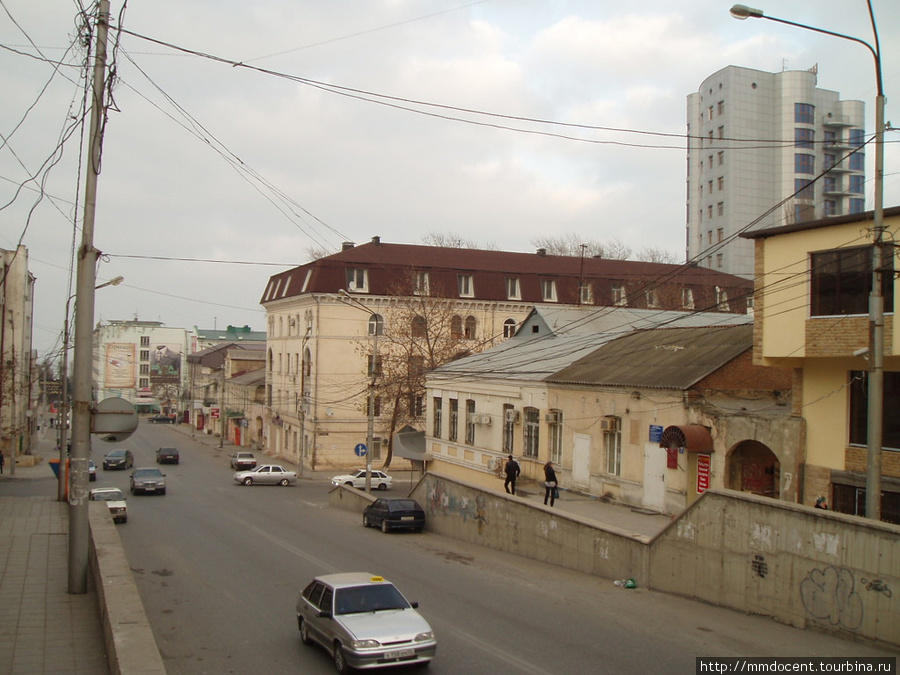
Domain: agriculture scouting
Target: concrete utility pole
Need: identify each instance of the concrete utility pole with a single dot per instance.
(84, 325)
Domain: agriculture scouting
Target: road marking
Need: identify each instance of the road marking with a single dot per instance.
(300, 553)
(519, 664)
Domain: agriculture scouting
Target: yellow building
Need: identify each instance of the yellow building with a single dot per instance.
(811, 304)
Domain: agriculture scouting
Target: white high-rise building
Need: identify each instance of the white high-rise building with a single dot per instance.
(767, 149)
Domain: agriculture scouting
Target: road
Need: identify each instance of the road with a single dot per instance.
(219, 567)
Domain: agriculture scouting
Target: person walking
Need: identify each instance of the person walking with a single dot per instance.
(550, 484)
(2, 459)
(512, 473)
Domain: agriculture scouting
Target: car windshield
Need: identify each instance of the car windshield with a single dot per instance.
(108, 496)
(116, 453)
(403, 505)
(143, 473)
(372, 598)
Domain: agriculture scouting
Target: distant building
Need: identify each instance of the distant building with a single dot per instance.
(757, 145)
(209, 337)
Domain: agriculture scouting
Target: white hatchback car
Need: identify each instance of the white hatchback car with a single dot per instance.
(380, 480)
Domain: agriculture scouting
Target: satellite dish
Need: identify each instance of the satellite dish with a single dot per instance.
(113, 420)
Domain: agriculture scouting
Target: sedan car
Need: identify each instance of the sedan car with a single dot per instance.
(148, 480)
(240, 461)
(164, 419)
(267, 474)
(118, 459)
(115, 500)
(363, 621)
(167, 456)
(380, 480)
(394, 514)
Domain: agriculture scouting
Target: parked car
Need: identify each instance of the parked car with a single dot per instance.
(148, 480)
(363, 621)
(92, 471)
(380, 480)
(163, 419)
(243, 460)
(120, 458)
(167, 456)
(267, 474)
(394, 514)
(115, 500)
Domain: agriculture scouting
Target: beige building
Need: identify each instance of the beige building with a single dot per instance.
(811, 305)
(327, 318)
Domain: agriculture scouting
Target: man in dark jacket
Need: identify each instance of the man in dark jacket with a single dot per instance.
(512, 473)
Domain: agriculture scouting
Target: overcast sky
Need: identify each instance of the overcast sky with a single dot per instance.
(206, 159)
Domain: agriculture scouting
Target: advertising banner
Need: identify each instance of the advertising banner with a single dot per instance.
(120, 362)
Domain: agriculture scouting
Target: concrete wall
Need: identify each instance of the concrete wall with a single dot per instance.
(801, 566)
(130, 645)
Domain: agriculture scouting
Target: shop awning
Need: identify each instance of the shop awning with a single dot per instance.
(410, 444)
(690, 437)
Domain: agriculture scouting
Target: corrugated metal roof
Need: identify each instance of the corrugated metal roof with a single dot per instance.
(670, 358)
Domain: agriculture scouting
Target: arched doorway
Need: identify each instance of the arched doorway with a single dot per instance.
(752, 467)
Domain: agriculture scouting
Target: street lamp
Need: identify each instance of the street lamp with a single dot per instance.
(63, 423)
(370, 427)
(875, 413)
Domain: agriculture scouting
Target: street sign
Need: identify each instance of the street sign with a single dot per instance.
(214, 413)
(360, 450)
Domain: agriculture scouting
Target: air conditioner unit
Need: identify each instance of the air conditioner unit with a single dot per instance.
(512, 415)
(609, 424)
(483, 419)
(553, 417)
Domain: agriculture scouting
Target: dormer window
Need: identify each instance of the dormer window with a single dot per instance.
(512, 289)
(420, 283)
(466, 286)
(548, 290)
(357, 280)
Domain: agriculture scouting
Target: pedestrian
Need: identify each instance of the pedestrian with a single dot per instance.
(551, 491)
(2, 459)
(512, 473)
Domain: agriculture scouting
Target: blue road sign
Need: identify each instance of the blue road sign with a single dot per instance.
(360, 450)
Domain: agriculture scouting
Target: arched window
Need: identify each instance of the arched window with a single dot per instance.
(509, 328)
(376, 324)
(471, 326)
(418, 326)
(456, 327)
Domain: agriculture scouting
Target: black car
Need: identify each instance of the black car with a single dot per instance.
(118, 459)
(164, 419)
(167, 456)
(394, 514)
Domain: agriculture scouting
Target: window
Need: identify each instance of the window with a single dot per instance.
(548, 290)
(357, 280)
(466, 288)
(721, 132)
(720, 211)
(453, 431)
(831, 208)
(470, 422)
(710, 183)
(709, 162)
(830, 138)
(710, 112)
(586, 294)
(437, 422)
(804, 138)
(721, 156)
(612, 445)
(418, 327)
(471, 328)
(709, 237)
(857, 205)
(721, 183)
(856, 183)
(420, 283)
(719, 260)
(804, 163)
(722, 299)
(531, 433)
(842, 280)
(509, 328)
(618, 296)
(145, 369)
(509, 427)
(652, 298)
(829, 161)
(555, 435)
(512, 289)
(804, 113)
(709, 211)
(144, 383)
(859, 409)
(830, 184)
(857, 161)
(376, 324)
(416, 405)
(720, 108)
(145, 355)
(720, 232)
(687, 298)
(145, 340)
(804, 189)
(373, 365)
(857, 138)
(456, 327)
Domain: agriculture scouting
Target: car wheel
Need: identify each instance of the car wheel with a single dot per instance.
(385, 527)
(248, 481)
(340, 663)
(163, 491)
(382, 486)
(304, 632)
(124, 520)
(283, 482)
(350, 483)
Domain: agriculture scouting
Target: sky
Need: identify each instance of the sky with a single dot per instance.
(259, 132)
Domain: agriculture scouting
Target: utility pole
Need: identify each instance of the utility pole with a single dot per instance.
(84, 319)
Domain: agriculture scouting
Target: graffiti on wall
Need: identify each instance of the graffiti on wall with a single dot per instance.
(439, 501)
(830, 595)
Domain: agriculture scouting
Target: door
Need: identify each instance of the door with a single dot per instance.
(654, 477)
(581, 461)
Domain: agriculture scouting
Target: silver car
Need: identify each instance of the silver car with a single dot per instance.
(148, 480)
(267, 474)
(115, 500)
(363, 621)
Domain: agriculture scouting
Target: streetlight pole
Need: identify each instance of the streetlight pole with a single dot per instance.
(373, 372)
(64, 397)
(875, 412)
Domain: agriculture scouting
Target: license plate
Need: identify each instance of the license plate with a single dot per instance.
(400, 654)
(407, 517)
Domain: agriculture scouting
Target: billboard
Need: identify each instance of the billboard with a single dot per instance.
(120, 364)
(165, 364)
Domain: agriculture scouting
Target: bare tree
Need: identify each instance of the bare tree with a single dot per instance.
(453, 240)
(656, 255)
(573, 245)
(317, 252)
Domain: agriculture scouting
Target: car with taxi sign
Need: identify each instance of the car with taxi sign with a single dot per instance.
(364, 622)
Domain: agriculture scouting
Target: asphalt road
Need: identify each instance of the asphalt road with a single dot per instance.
(219, 567)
